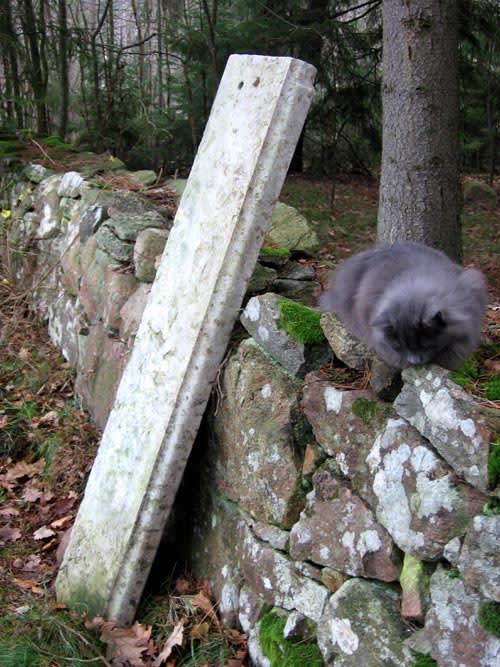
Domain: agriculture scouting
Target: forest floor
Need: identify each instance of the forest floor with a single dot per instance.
(47, 445)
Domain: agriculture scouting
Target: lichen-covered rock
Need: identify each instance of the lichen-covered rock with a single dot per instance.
(36, 173)
(303, 291)
(361, 626)
(344, 423)
(345, 346)
(72, 268)
(338, 530)
(132, 309)
(298, 271)
(70, 185)
(262, 318)
(101, 361)
(417, 498)
(118, 288)
(90, 220)
(121, 251)
(47, 207)
(447, 416)
(144, 177)
(149, 244)
(452, 633)
(479, 560)
(278, 580)
(93, 281)
(258, 460)
(64, 322)
(262, 279)
(290, 229)
(126, 227)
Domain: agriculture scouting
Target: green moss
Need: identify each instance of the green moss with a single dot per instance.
(301, 322)
(282, 652)
(489, 617)
(492, 507)
(494, 463)
(271, 251)
(492, 388)
(422, 660)
(366, 409)
(57, 143)
(466, 373)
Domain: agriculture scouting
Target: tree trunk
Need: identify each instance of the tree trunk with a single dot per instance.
(63, 67)
(420, 187)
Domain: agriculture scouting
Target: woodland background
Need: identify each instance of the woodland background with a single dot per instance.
(137, 77)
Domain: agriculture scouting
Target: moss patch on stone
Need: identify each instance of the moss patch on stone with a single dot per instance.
(422, 660)
(489, 617)
(301, 322)
(274, 251)
(282, 652)
(366, 409)
(494, 463)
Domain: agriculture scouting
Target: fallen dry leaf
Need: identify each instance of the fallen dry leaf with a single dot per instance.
(4, 420)
(31, 494)
(23, 469)
(174, 640)
(43, 533)
(27, 585)
(127, 646)
(8, 534)
(202, 602)
(8, 511)
(51, 417)
(62, 523)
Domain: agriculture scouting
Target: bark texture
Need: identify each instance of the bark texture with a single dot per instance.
(420, 187)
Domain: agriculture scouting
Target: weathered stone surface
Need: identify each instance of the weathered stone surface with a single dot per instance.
(274, 536)
(257, 457)
(47, 208)
(260, 319)
(385, 380)
(126, 227)
(447, 416)
(479, 560)
(333, 579)
(117, 290)
(418, 499)
(144, 176)
(348, 349)
(415, 586)
(452, 631)
(100, 364)
(344, 423)
(71, 268)
(90, 220)
(290, 229)
(70, 185)
(132, 206)
(64, 322)
(121, 251)
(149, 244)
(36, 173)
(299, 271)
(251, 608)
(298, 290)
(132, 309)
(93, 282)
(262, 279)
(338, 530)
(277, 579)
(256, 119)
(362, 627)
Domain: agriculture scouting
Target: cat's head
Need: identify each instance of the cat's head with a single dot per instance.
(404, 336)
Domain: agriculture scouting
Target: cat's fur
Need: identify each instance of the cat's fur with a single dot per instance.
(410, 303)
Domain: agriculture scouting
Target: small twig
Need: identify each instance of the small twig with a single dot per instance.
(42, 150)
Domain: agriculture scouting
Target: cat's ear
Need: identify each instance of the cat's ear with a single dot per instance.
(437, 320)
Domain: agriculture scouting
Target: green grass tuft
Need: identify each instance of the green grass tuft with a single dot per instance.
(493, 389)
(489, 617)
(301, 322)
(282, 652)
(466, 373)
(494, 463)
(422, 660)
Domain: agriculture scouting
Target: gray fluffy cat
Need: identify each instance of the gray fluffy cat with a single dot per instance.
(410, 303)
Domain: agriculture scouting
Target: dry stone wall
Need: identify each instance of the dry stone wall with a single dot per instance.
(364, 527)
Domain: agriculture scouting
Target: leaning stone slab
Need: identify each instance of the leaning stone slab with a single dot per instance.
(447, 416)
(345, 346)
(361, 627)
(452, 634)
(211, 252)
